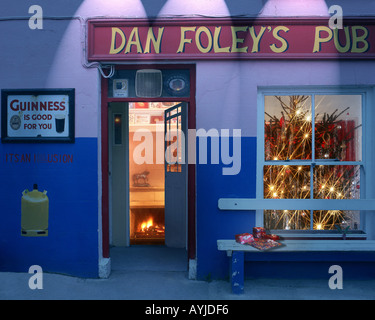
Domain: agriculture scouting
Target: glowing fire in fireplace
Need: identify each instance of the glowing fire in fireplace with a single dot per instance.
(147, 225)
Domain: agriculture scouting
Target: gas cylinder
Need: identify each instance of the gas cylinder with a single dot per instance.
(34, 213)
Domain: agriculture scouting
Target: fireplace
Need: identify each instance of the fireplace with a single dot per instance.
(147, 226)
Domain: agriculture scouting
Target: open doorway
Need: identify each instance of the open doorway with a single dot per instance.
(153, 88)
(148, 173)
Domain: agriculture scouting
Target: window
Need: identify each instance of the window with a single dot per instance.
(311, 147)
(175, 143)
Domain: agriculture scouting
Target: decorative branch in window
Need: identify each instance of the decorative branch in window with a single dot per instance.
(288, 136)
(334, 138)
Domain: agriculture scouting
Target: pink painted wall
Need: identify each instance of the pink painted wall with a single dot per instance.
(55, 55)
(227, 95)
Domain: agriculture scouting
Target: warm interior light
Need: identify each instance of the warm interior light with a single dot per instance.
(147, 224)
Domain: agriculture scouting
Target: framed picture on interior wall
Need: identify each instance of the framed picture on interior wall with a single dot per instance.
(157, 119)
(131, 118)
(142, 118)
(141, 105)
(156, 105)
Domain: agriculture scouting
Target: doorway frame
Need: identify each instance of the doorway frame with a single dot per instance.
(105, 100)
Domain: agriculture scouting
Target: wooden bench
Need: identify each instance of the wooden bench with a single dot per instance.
(237, 253)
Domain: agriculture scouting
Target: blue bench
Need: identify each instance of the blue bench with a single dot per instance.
(236, 252)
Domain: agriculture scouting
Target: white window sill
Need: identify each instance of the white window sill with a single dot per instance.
(303, 246)
(318, 235)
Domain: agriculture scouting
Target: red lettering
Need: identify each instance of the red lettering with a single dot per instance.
(41, 117)
(14, 108)
(30, 126)
(16, 105)
(23, 106)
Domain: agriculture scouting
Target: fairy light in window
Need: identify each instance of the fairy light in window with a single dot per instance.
(289, 137)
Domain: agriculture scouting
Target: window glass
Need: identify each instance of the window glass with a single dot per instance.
(321, 148)
(334, 219)
(338, 121)
(287, 219)
(286, 182)
(287, 127)
(336, 182)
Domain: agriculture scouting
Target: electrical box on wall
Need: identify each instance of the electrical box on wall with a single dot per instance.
(120, 88)
(150, 83)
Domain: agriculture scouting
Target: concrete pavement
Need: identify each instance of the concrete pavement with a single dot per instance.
(158, 285)
(161, 274)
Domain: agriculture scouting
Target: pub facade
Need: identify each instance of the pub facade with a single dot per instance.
(130, 124)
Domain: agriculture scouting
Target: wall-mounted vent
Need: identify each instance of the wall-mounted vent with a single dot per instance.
(148, 83)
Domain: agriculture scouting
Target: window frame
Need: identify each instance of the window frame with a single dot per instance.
(312, 91)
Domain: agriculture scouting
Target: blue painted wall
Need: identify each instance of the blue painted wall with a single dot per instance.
(71, 246)
(213, 224)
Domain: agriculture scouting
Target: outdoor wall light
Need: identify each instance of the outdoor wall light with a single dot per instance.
(195, 7)
(177, 85)
(294, 8)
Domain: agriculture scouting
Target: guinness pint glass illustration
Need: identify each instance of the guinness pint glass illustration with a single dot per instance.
(60, 123)
(34, 213)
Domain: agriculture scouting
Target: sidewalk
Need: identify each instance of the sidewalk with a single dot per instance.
(158, 285)
(167, 279)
